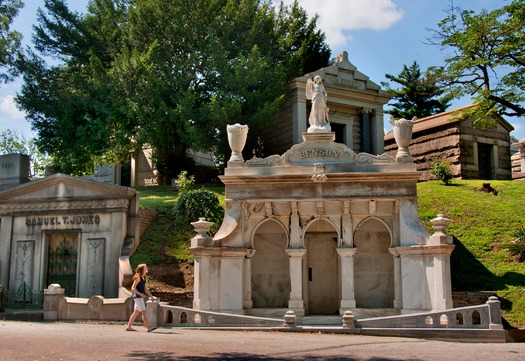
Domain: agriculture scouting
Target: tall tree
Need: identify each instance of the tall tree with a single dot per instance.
(169, 74)
(10, 40)
(419, 95)
(487, 59)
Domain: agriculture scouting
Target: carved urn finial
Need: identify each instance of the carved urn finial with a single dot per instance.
(237, 135)
(403, 136)
(202, 228)
(440, 224)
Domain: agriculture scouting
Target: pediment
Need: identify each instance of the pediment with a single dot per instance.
(62, 186)
(343, 74)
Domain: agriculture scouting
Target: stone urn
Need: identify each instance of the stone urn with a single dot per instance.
(403, 136)
(237, 135)
(202, 228)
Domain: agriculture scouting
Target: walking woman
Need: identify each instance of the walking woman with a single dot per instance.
(141, 294)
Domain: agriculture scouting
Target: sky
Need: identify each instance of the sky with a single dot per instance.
(380, 37)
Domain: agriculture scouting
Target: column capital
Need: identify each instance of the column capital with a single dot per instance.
(347, 251)
(296, 252)
(366, 110)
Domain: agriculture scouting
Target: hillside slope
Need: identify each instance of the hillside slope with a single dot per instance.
(483, 226)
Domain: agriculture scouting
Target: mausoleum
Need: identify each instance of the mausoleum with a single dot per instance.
(321, 230)
(68, 231)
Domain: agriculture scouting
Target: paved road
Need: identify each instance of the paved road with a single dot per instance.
(95, 341)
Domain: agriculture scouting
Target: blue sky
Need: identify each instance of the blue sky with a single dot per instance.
(380, 36)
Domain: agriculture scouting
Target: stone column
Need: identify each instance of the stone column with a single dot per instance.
(295, 227)
(6, 228)
(248, 301)
(442, 277)
(201, 292)
(296, 302)
(378, 133)
(346, 226)
(299, 118)
(398, 280)
(346, 257)
(365, 130)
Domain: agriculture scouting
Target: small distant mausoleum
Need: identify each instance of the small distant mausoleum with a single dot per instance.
(473, 153)
(322, 229)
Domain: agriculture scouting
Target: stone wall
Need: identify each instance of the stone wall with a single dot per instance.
(147, 217)
(442, 142)
(470, 298)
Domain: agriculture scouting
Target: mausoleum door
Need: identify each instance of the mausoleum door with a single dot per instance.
(322, 274)
(270, 267)
(374, 266)
(62, 261)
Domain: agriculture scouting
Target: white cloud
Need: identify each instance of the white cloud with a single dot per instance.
(337, 17)
(519, 130)
(9, 110)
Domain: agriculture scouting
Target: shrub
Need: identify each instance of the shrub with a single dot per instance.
(517, 246)
(442, 170)
(185, 183)
(197, 203)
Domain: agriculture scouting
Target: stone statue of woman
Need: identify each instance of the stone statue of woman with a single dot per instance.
(319, 114)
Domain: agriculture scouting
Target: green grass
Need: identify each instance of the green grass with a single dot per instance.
(483, 226)
(163, 241)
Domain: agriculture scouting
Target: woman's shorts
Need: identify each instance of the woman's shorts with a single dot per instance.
(139, 304)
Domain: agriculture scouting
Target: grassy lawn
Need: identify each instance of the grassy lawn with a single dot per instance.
(483, 226)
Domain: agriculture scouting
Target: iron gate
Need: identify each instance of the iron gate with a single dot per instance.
(62, 267)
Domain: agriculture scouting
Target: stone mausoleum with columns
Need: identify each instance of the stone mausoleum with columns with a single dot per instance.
(355, 105)
(321, 230)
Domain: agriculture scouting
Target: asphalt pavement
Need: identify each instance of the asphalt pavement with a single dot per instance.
(110, 341)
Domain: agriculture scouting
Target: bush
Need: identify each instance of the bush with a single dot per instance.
(517, 246)
(185, 183)
(194, 204)
(442, 170)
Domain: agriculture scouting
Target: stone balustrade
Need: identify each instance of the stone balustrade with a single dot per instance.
(160, 314)
(486, 316)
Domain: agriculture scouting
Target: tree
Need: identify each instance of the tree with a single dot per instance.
(419, 95)
(12, 142)
(168, 74)
(487, 59)
(10, 40)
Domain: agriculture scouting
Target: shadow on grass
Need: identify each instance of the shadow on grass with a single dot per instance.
(469, 274)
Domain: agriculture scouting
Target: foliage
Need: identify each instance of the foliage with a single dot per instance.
(418, 95)
(185, 183)
(517, 246)
(195, 204)
(10, 40)
(162, 73)
(442, 170)
(486, 59)
(12, 142)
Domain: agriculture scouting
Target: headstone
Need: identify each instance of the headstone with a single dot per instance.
(14, 169)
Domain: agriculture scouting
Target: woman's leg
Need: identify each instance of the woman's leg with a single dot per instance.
(132, 319)
(145, 319)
